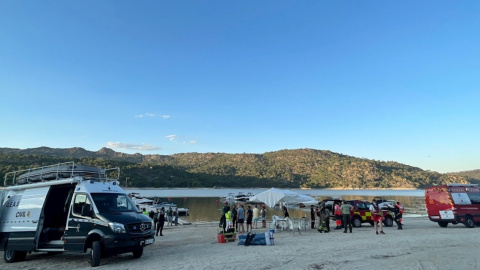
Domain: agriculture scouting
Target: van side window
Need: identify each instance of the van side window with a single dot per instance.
(474, 197)
(80, 201)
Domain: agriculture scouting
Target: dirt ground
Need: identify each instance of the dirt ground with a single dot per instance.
(422, 244)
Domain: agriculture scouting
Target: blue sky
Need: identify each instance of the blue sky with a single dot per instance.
(384, 80)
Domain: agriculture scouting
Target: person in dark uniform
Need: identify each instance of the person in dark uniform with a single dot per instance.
(323, 225)
(234, 217)
(312, 216)
(398, 209)
(249, 218)
(161, 221)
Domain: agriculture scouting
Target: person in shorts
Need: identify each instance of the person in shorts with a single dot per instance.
(263, 214)
(249, 215)
(256, 213)
(169, 216)
(377, 216)
(241, 219)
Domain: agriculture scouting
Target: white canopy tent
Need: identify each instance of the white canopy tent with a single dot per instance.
(273, 196)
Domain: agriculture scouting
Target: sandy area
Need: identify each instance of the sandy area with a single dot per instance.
(422, 244)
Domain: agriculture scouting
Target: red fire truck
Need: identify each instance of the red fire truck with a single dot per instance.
(453, 203)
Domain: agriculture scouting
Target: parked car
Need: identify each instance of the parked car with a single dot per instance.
(360, 212)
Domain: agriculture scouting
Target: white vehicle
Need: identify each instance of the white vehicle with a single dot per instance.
(68, 207)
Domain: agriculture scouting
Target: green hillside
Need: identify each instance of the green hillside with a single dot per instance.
(305, 168)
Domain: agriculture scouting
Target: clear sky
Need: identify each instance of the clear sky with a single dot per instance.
(384, 80)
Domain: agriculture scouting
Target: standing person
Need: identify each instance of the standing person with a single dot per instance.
(176, 216)
(228, 218)
(223, 222)
(324, 216)
(312, 217)
(377, 216)
(398, 210)
(145, 212)
(347, 221)
(338, 216)
(317, 216)
(161, 221)
(234, 217)
(327, 215)
(285, 212)
(241, 219)
(249, 218)
(263, 213)
(155, 219)
(255, 217)
(169, 216)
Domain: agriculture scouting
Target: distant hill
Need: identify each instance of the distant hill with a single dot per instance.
(472, 176)
(307, 168)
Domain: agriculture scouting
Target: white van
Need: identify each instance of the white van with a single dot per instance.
(68, 207)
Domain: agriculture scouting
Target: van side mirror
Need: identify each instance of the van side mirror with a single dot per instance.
(86, 210)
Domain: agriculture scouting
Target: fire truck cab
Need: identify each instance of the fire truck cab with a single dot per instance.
(453, 203)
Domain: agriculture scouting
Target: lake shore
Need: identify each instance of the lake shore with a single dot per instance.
(422, 244)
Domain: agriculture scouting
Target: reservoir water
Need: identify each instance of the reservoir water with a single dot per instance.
(205, 204)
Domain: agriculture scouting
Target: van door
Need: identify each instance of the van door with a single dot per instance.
(80, 222)
(474, 197)
(21, 217)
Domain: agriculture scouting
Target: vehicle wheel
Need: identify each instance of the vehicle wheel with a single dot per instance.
(95, 254)
(138, 253)
(443, 224)
(469, 222)
(388, 221)
(357, 222)
(11, 256)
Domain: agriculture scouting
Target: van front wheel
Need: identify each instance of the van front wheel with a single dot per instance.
(95, 254)
(469, 222)
(10, 256)
(138, 253)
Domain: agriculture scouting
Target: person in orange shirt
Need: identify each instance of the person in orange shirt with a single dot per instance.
(338, 216)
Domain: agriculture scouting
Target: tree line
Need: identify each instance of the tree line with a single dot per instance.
(299, 168)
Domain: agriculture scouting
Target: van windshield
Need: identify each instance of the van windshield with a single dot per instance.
(108, 203)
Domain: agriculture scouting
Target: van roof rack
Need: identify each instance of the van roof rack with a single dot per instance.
(60, 171)
(462, 185)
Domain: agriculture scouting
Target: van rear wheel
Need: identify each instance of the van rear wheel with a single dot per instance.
(10, 256)
(469, 222)
(443, 224)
